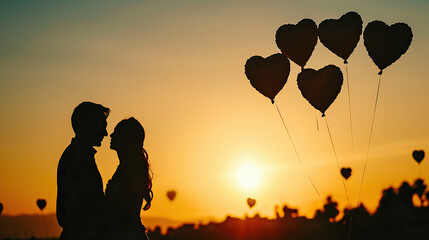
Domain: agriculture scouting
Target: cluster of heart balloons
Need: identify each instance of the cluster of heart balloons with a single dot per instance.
(385, 44)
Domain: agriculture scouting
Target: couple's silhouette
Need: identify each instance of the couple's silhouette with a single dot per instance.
(84, 210)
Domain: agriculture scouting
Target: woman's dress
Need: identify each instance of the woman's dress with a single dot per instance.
(124, 194)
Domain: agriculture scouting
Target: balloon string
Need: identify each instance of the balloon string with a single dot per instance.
(336, 158)
(350, 106)
(351, 133)
(420, 168)
(369, 142)
(299, 158)
(351, 218)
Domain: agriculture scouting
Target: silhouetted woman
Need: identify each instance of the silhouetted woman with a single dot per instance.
(131, 183)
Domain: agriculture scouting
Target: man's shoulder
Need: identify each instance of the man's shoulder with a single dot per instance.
(66, 157)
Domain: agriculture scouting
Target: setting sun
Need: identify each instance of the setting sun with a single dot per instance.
(248, 176)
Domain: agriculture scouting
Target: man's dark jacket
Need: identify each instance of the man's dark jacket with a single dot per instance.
(80, 198)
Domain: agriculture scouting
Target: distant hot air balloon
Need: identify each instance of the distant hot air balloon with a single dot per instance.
(386, 44)
(320, 87)
(418, 155)
(346, 172)
(251, 202)
(341, 36)
(297, 42)
(171, 195)
(41, 203)
(1, 208)
(268, 75)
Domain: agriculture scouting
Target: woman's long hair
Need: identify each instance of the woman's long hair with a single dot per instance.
(135, 133)
(148, 194)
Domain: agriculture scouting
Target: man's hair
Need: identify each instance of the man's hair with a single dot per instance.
(86, 115)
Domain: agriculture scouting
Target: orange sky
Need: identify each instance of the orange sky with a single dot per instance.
(179, 69)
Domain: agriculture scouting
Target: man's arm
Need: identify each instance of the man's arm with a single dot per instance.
(67, 192)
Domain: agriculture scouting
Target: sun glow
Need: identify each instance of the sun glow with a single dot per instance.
(248, 176)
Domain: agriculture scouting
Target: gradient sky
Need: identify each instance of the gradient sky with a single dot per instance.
(178, 67)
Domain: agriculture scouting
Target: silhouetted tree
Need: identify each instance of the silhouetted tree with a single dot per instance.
(405, 195)
(155, 234)
(319, 214)
(330, 209)
(276, 211)
(420, 188)
(290, 212)
(388, 199)
(427, 196)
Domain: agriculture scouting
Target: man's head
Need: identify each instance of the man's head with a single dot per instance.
(89, 123)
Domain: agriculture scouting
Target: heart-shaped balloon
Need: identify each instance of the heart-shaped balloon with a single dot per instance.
(346, 172)
(341, 36)
(1, 208)
(385, 44)
(41, 203)
(297, 42)
(268, 75)
(171, 195)
(321, 87)
(251, 202)
(418, 155)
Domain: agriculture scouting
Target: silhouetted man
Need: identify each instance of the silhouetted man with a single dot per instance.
(80, 197)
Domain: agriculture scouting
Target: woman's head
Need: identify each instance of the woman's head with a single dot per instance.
(128, 136)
